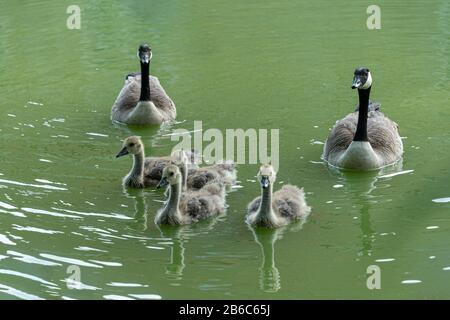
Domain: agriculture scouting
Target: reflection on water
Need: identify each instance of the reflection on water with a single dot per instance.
(179, 235)
(179, 238)
(269, 276)
(359, 189)
(140, 221)
(175, 237)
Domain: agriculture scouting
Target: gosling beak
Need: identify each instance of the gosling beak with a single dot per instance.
(122, 152)
(264, 182)
(356, 82)
(162, 183)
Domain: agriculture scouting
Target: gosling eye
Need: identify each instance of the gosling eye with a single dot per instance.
(131, 144)
(171, 174)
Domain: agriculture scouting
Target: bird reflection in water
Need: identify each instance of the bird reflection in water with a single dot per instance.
(359, 190)
(269, 275)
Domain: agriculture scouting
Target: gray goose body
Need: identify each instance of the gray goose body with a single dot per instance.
(142, 100)
(160, 109)
(365, 141)
(382, 134)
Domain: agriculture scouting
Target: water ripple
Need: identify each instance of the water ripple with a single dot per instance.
(127, 285)
(50, 213)
(77, 262)
(30, 259)
(395, 174)
(34, 229)
(441, 200)
(5, 240)
(14, 213)
(116, 297)
(7, 206)
(18, 293)
(27, 276)
(96, 214)
(83, 248)
(107, 263)
(78, 285)
(146, 296)
(42, 186)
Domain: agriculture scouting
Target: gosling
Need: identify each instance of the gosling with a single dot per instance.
(277, 209)
(147, 172)
(191, 206)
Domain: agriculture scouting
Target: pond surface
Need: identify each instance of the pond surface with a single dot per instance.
(237, 64)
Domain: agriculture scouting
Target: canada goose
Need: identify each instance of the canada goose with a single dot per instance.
(146, 172)
(191, 206)
(365, 139)
(277, 209)
(142, 100)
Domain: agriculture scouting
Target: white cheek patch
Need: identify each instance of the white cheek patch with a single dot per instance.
(368, 82)
(149, 58)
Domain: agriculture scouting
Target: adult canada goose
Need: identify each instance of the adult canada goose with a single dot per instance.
(365, 139)
(146, 172)
(142, 100)
(191, 206)
(276, 209)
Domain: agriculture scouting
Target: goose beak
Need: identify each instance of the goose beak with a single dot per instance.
(162, 183)
(356, 82)
(122, 152)
(264, 182)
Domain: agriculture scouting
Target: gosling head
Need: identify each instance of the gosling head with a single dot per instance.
(131, 145)
(171, 175)
(179, 157)
(144, 53)
(362, 79)
(266, 175)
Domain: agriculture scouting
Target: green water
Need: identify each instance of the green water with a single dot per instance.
(231, 64)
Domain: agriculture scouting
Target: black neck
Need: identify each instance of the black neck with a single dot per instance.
(361, 129)
(145, 82)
